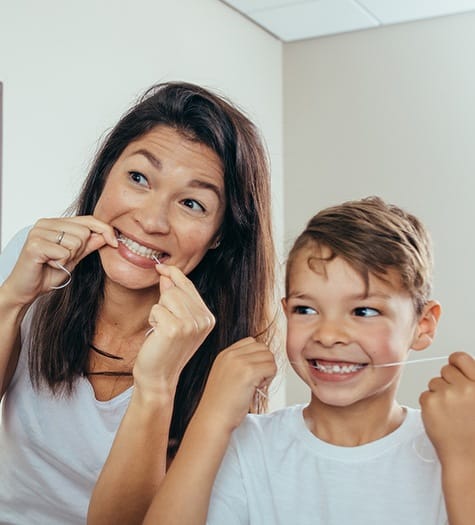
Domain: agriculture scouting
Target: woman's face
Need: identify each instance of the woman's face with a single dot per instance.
(165, 198)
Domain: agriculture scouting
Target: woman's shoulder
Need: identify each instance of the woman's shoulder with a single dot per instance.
(10, 253)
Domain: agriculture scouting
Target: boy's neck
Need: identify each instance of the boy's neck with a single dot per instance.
(355, 425)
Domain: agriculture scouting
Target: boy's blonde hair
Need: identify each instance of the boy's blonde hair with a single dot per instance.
(373, 237)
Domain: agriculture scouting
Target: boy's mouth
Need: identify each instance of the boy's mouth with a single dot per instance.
(340, 367)
(139, 249)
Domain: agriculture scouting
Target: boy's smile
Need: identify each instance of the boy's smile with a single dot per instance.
(337, 329)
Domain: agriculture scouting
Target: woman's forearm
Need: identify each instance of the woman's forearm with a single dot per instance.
(136, 464)
(11, 316)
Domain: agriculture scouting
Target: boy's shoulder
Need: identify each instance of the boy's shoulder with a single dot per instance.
(288, 413)
(287, 426)
(262, 427)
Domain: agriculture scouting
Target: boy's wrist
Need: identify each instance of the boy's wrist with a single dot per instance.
(212, 421)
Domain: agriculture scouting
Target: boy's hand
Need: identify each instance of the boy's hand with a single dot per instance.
(448, 410)
(236, 374)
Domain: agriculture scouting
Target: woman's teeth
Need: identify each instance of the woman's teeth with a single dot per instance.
(337, 369)
(138, 249)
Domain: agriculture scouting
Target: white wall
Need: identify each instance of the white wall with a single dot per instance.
(70, 69)
(390, 111)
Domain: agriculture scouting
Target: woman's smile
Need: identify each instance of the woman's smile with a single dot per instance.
(164, 197)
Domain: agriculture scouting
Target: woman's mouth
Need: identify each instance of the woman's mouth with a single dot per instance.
(340, 367)
(139, 249)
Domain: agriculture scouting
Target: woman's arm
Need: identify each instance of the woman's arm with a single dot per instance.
(183, 497)
(11, 316)
(448, 412)
(137, 461)
(35, 272)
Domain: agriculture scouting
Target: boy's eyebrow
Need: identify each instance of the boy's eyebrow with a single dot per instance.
(356, 297)
(298, 295)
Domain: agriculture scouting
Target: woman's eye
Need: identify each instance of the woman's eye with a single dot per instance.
(366, 311)
(138, 178)
(304, 310)
(193, 205)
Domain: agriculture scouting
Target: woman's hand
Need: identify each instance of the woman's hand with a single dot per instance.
(237, 373)
(62, 240)
(448, 410)
(181, 322)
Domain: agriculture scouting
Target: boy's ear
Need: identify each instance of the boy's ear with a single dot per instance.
(283, 302)
(426, 326)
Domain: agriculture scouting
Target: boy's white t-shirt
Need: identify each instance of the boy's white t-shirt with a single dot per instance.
(52, 449)
(276, 472)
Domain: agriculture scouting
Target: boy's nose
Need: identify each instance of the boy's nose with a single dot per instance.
(329, 332)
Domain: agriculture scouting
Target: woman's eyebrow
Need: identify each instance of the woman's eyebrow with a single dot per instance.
(194, 183)
(150, 157)
(198, 183)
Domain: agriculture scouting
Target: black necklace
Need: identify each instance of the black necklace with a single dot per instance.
(111, 356)
(105, 354)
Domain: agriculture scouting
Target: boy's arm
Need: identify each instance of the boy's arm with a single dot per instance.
(184, 495)
(448, 412)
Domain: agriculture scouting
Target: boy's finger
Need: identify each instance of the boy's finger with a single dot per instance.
(465, 363)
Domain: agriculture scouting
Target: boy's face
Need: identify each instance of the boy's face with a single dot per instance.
(335, 330)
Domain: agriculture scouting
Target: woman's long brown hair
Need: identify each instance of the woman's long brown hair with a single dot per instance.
(236, 280)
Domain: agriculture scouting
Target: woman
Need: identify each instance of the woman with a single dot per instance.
(171, 231)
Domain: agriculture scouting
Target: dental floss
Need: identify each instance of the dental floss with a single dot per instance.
(424, 449)
(398, 363)
(261, 393)
(61, 267)
(149, 331)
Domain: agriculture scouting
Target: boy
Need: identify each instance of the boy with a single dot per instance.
(357, 299)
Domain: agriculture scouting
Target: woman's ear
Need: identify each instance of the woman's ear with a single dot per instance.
(426, 326)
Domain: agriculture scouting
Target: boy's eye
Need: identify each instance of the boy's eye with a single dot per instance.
(193, 205)
(304, 310)
(138, 178)
(366, 311)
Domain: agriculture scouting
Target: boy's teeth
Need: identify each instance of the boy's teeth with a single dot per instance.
(138, 248)
(337, 369)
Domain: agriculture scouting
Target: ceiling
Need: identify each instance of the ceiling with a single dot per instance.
(291, 20)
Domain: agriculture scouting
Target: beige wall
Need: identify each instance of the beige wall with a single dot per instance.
(390, 111)
(387, 111)
(71, 68)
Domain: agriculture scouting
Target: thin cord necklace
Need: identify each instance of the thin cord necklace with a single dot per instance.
(108, 372)
(105, 354)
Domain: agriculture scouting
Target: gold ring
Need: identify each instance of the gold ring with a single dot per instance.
(59, 238)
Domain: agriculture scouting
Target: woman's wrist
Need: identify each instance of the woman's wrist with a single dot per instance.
(157, 391)
(9, 303)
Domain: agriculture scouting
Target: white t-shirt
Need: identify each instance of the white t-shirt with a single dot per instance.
(52, 449)
(276, 472)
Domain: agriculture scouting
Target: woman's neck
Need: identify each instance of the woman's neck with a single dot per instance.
(122, 320)
(126, 311)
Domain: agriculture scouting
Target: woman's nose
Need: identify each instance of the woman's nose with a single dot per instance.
(330, 332)
(154, 216)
